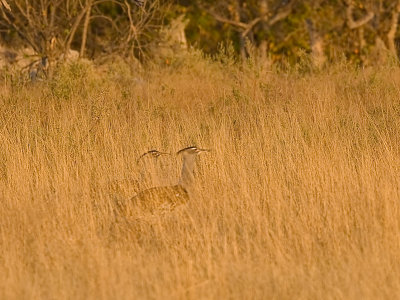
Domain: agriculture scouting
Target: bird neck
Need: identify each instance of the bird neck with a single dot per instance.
(187, 176)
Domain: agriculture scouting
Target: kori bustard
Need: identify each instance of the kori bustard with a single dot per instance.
(152, 153)
(168, 197)
(149, 161)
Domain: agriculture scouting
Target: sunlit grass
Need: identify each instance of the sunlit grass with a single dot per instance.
(298, 199)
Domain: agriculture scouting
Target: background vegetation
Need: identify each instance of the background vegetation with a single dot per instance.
(362, 31)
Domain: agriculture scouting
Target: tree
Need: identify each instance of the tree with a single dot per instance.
(248, 17)
(52, 27)
(380, 22)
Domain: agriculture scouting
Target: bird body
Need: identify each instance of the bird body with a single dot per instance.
(123, 185)
(158, 199)
(167, 197)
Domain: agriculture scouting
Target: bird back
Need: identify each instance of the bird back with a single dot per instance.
(158, 199)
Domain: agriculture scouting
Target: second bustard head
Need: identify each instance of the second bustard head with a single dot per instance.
(153, 153)
(129, 185)
(167, 197)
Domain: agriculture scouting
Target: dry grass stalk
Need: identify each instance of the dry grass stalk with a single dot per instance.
(299, 199)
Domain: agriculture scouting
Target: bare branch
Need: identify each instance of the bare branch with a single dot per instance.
(282, 13)
(251, 25)
(19, 31)
(246, 28)
(88, 10)
(5, 4)
(71, 35)
(349, 16)
(393, 28)
(227, 21)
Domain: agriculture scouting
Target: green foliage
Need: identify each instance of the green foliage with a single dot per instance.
(72, 79)
(288, 40)
(139, 33)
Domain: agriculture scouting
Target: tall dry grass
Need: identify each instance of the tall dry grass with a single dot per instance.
(298, 200)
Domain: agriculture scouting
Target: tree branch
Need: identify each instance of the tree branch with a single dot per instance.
(71, 35)
(282, 13)
(393, 28)
(349, 16)
(245, 28)
(5, 4)
(85, 27)
(227, 21)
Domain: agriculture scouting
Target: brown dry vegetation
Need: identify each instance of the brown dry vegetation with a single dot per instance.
(299, 198)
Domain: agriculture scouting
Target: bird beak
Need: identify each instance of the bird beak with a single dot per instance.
(165, 153)
(204, 150)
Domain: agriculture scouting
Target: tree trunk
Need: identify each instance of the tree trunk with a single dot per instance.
(242, 41)
(72, 33)
(393, 29)
(380, 53)
(262, 49)
(85, 27)
(316, 45)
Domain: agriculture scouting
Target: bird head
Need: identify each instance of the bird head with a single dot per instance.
(192, 150)
(153, 153)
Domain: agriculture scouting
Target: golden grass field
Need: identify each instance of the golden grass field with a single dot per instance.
(299, 199)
